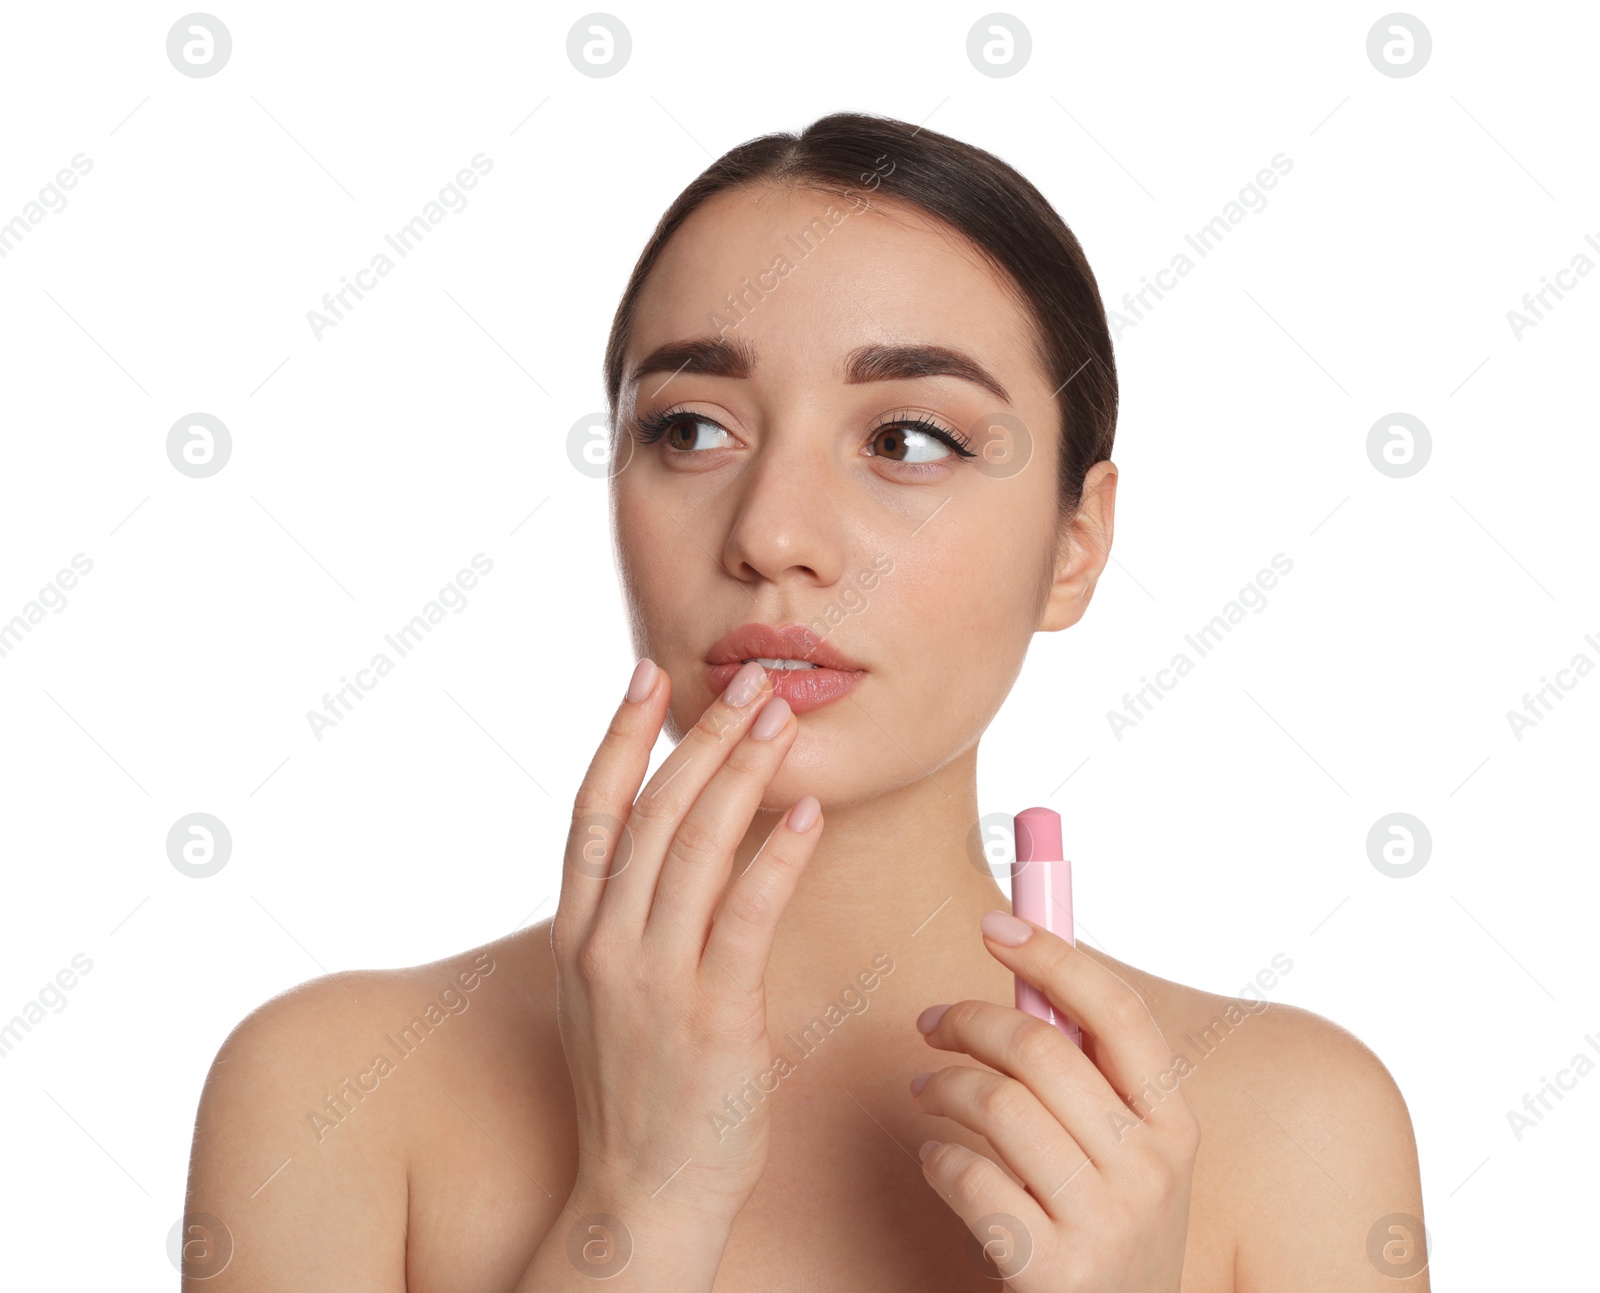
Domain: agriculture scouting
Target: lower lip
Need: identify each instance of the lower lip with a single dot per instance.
(804, 689)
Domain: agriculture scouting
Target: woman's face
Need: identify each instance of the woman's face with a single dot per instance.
(786, 488)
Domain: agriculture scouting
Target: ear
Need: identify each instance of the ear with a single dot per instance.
(1082, 549)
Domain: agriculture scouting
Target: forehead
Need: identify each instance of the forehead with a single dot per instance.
(812, 278)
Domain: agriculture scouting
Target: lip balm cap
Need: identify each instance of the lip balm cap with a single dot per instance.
(1038, 835)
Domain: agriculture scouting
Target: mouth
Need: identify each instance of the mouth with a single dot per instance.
(806, 670)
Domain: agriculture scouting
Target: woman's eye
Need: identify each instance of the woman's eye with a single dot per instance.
(682, 434)
(908, 444)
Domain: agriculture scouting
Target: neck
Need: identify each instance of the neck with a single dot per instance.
(892, 882)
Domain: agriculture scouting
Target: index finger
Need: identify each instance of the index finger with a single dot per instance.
(598, 842)
(1129, 1049)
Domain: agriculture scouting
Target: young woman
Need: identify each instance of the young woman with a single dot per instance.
(863, 400)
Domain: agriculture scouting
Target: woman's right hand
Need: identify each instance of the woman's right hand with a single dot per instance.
(661, 993)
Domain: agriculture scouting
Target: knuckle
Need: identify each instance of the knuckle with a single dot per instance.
(968, 1177)
(1001, 1101)
(1037, 1044)
(694, 840)
(1126, 1011)
(746, 905)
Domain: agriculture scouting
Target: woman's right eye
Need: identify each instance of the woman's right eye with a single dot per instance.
(677, 429)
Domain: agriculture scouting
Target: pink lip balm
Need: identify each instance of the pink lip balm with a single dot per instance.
(1041, 891)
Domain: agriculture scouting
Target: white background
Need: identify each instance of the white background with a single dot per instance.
(432, 423)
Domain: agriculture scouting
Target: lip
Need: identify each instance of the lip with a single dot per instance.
(805, 689)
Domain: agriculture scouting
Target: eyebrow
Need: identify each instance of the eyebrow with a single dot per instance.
(721, 357)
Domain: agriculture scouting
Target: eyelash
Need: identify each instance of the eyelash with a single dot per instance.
(651, 427)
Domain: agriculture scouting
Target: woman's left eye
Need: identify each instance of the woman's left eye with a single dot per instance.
(916, 443)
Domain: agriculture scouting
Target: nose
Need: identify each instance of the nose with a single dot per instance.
(787, 522)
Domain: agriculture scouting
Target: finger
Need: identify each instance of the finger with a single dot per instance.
(655, 815)
(1128, 1046)
(1027, 1136)
(746, 923)
(700, 854)
(597, 840)
(1005, 1222)
(1038, 1055)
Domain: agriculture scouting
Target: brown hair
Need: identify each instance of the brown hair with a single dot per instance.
(973, 192)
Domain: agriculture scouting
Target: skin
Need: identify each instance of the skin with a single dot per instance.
(1266, 1167)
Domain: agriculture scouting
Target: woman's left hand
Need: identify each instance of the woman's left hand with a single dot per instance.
(1105, 1150)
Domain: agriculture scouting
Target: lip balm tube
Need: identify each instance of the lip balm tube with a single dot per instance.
(1041, 891)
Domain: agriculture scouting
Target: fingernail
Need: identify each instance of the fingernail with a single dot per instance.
(644, 678)
(804, 813)
(918, 1082)
(929, 1019)
(771, 719)
(928, 1146)
(746, 684)
(1006, 928)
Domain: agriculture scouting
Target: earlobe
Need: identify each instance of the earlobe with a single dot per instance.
(1083, 548)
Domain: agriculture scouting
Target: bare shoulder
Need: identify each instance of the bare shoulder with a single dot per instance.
(1306, 1140)
(321, 1102)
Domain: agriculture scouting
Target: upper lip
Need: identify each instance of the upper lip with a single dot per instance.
(777, 642)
